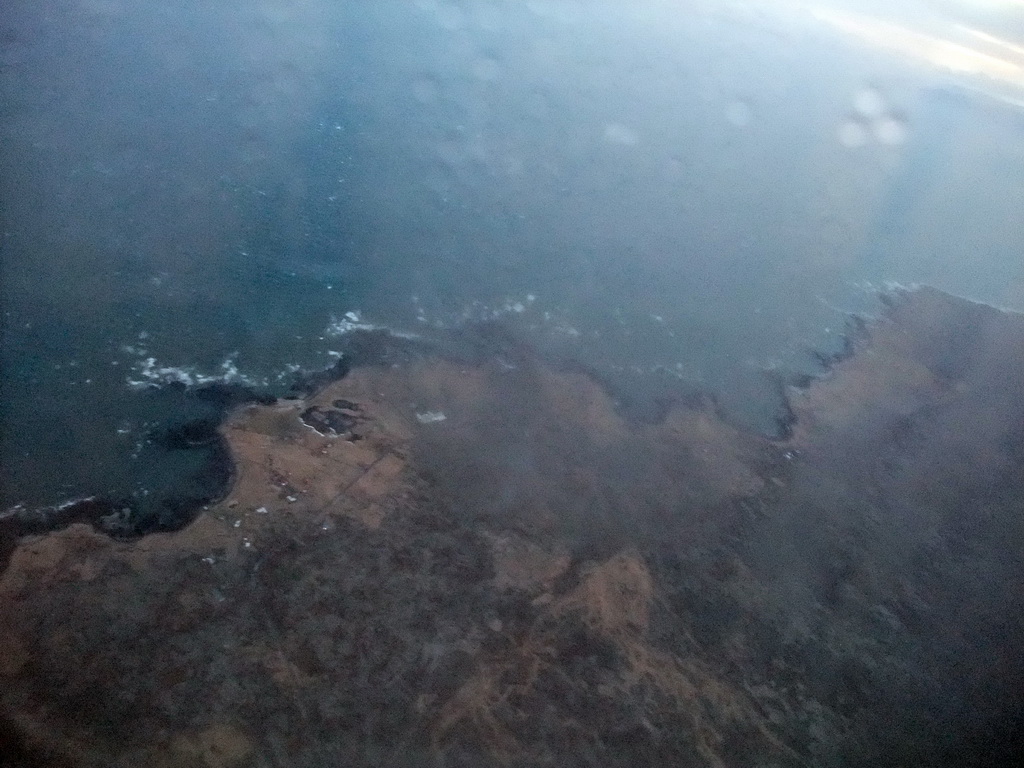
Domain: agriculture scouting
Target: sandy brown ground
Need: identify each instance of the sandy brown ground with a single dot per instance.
(537, 580)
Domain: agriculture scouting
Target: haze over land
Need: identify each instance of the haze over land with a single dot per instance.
(477, 559)
(514, 383)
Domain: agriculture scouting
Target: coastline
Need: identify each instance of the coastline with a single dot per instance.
(483, 544)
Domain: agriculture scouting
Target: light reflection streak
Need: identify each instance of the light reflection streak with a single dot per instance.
(936, 51)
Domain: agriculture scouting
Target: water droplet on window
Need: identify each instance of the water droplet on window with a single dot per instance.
(674, 168)
(738, 113)
(486, 17)
(616, 133)
(869, 103)
(451, 17)
(539, 106)
(852, 134)
(486, 68)
(425, 89)
(538, 7)
(890, 131)
(452, 150)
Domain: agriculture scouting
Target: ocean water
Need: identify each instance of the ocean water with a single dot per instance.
(194, 192)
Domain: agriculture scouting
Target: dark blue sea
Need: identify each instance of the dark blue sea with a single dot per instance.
(196, 192)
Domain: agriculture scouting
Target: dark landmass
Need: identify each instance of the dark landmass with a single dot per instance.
(483, 558)
(128, 517)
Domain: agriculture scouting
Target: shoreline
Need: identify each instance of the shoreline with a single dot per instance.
(492, 549)
(120, 518)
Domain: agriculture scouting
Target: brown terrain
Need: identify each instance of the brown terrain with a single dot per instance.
(539, 579)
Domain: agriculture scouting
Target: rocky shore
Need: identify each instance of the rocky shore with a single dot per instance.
(484, 560)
